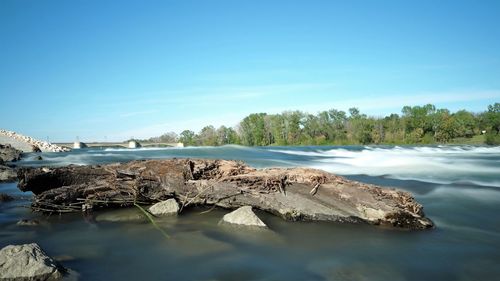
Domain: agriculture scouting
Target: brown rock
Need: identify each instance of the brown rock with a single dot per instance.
(293, 193)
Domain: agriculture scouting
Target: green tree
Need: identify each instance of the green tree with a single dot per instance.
(445, 126)
(492, 122)
(467, 123)
(208, 136)
(226, 135)
(418, 121)
(252, 129)
(187, 137)
(292, 125)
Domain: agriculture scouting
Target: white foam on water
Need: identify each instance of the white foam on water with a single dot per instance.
(441, 164)
(138, 149)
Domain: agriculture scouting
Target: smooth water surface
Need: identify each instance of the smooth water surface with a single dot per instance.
(459, 187)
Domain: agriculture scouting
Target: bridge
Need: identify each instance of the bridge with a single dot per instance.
(130, 144)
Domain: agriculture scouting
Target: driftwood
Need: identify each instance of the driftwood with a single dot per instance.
(292, 193)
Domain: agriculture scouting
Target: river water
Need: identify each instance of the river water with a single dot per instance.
(459, 187)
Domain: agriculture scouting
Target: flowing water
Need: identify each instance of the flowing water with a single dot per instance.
(459, 187)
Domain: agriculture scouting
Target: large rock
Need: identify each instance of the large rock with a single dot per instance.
(167, 207)
(291, 193)
(243, 216)
(7, 174)
(9, 154)
(28, 262)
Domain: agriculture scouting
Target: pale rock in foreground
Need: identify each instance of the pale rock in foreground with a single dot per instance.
(167, 207)
(243, 216)
(28, 262)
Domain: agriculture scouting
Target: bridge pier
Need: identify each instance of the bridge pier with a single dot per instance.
(133, 144)
(78, 145)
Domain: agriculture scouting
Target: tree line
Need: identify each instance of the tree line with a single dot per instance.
(416, 125)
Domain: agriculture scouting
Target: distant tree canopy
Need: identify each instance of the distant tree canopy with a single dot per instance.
(416, 125)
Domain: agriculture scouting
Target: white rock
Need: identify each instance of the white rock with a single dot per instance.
(168, 207)
(244, 216)
(27, 262)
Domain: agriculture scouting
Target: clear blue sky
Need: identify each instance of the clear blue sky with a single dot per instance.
(141, 68)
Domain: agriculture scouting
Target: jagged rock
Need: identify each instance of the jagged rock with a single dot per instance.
(243, 216)
(167, 207)
(9, 154)
(35, 148)
(28, 262)
(291, 193)
(7, 174)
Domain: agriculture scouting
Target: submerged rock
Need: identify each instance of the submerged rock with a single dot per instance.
(28, 262)
(121, 215)
(27, 222)
(243, 216)
(291, 193)
(167, 207)
(5, 197)
(196, 244)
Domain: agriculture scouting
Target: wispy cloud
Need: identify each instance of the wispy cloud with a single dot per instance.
(136, 113)
(179, 125)
(381, 103)
(226, 95)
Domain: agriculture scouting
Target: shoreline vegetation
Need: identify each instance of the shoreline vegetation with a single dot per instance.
(417, 125)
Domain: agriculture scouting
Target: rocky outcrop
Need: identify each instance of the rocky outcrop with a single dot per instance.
(292, 193)
(9, 154)
(243, 216)
(33, 144)
(35, 148)
(167, 207)
(7, 174)
(28, 262)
